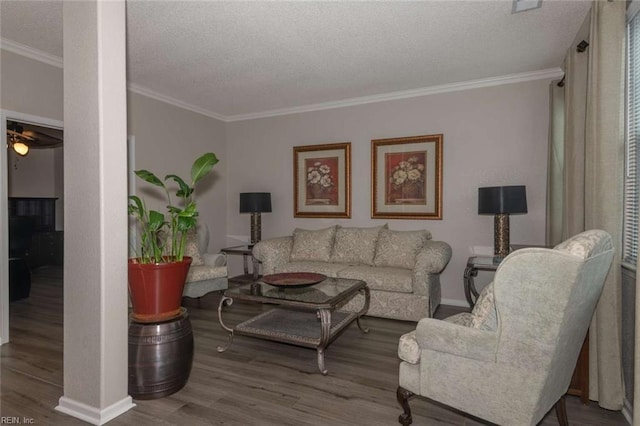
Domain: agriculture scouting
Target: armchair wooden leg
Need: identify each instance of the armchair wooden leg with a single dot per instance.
(403, 396)
(561, 411)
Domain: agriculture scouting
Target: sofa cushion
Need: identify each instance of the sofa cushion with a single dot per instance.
(399, 248)
(328, 269)
(313, 245)
(484, 312)
(380, 278)
(355, 245)
(408, 349)
(201, 272)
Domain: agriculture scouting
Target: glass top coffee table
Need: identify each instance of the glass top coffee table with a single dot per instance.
(304, 316)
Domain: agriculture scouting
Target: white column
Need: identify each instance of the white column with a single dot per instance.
(95, 204)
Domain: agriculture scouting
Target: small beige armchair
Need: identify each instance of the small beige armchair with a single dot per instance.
(511, 359)
(208, 271)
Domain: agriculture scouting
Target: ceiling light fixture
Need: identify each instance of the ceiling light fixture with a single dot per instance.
(19, 147)
(524, 5)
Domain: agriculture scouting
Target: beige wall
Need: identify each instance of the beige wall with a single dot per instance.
(167, 140)
(492, 136)
(31, 87)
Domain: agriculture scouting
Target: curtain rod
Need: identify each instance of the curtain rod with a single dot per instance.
(581, 47)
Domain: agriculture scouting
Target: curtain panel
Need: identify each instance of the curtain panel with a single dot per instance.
(591, 180)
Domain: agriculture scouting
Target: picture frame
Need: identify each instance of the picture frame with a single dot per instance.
(406, 176)
(322, 180)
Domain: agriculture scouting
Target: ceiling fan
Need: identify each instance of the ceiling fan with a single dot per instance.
(23, 137)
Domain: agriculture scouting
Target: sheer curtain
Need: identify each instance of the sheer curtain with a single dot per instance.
(555, 163)
(592, 178)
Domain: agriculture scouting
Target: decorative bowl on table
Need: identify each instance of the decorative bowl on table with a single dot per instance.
(293, 279)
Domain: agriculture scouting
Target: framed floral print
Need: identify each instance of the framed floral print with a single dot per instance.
(406, 176)
(322, 180)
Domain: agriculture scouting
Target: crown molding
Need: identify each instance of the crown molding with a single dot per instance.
(550, 73)
(135, 88)
(30, 52)
(56, 61)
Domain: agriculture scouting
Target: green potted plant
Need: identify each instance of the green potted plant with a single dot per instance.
(158, 272)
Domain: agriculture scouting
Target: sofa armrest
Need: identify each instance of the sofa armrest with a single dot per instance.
(273, 253)
(433, 257)
(454, 339)
(214, 259)
(430, 262)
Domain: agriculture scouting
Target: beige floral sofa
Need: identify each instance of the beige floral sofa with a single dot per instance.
(401, 268)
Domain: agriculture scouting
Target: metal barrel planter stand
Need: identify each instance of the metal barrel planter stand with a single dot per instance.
(160, 356)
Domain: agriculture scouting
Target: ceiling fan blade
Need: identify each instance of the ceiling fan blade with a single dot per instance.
(21, 136)
(42, 140)
(34, 136)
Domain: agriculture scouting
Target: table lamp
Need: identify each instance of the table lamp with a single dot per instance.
(502, 201)
(255, 203)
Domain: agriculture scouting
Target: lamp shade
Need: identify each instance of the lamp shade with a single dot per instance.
(502, 200)
(255, 202)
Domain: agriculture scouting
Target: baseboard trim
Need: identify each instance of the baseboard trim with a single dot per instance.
(454, 302)
(627, 411)
(91, 414)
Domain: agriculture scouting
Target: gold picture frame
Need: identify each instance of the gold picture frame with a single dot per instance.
(322, 180)
(406, 176)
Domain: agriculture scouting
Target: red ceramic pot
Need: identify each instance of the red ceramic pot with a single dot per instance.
(156, 289)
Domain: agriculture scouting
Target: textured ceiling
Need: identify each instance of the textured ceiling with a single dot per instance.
(239, 58)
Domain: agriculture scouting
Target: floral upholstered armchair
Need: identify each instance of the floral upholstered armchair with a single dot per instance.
(208, 271)
(511, 359)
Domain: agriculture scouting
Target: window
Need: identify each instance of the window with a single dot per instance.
(631, 184)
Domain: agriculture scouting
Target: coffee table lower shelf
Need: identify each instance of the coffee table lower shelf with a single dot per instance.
(301, 328)
(298, 327)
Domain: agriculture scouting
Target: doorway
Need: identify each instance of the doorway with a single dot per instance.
(31, 184)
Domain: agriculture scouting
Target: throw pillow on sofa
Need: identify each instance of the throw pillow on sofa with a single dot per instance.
(398, 249)
(355, 246)
(312, 245)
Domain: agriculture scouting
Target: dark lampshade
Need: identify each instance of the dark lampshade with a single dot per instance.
(255, 202)
(502, 200)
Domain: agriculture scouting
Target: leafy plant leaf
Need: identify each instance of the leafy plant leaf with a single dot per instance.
(147, 176)
(189, 209)
(202, 166)
(136, 206)
(156, 220)
(185, 190)
(185, 223)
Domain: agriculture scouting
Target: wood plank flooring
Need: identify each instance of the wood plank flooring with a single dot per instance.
(254, 382)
